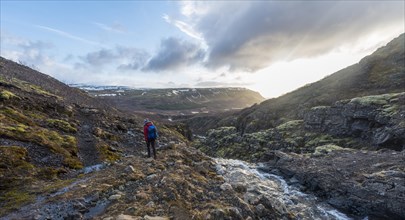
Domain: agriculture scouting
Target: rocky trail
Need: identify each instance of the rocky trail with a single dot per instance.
(182, 183)
(86, 144)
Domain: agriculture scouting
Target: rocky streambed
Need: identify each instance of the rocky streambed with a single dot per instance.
(365, 184)
(269, 193)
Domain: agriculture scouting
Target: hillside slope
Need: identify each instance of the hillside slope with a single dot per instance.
(379, 73)
(49, 130)
(11, 70)
(61, 157)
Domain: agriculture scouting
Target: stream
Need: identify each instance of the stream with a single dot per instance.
(284, 198)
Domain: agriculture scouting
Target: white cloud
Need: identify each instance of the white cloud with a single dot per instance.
(184, 27)
(117, 28)
(65, 34)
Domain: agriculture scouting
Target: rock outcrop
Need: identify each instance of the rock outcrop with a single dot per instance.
(378, 120)
(350, 154)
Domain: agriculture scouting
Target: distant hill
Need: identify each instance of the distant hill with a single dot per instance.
(48, 129)
(59, 126)
(183, 101)
(10, 71)
(379, 73)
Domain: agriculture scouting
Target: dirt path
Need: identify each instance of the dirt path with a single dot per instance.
(86, 142)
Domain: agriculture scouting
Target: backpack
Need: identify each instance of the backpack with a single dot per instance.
(152, 134)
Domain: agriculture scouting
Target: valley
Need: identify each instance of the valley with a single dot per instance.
(176, 103)
(333, 149)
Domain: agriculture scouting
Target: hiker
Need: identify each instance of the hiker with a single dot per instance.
(150, 133)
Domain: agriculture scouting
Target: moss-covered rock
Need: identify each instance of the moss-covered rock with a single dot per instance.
(14, 199)
(6, 95)
(376, 99)
(107, 153)
(62, 125)
(325, 149)
(290, 125)
(28, 87)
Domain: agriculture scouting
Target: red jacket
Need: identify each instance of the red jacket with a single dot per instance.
(145, 130)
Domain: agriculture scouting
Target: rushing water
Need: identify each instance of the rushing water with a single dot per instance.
(93, 168)
(284, 198)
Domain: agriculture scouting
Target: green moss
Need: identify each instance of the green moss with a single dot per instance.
(73, 163)
(292, 141)
(105, 135)
(325, 149)
(14, 157)
(28, 87)
(6, 95)
(376, 99)
(260, 137)
(36, 115)
(15, 168)
(106, 154)
(21, 128)
(290, 125)
(165, 131)
(62, 125)
(319, 140)
(221, 132)
(390, 110)
(320, 107)
(70, 143)
(16, 116)
(47, 173)
(14, 199)
(64, 145)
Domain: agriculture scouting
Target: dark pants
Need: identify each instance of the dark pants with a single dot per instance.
(149, 143)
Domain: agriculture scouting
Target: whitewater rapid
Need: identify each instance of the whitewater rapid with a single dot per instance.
(284, 198)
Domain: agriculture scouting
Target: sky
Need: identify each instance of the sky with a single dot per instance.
(272, 47)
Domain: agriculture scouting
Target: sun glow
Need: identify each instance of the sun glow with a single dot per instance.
(284, 77)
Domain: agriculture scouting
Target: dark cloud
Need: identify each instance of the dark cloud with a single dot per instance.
(136, 59)
(260, 32)
(174, 54)
(125, 58)
(101, 57)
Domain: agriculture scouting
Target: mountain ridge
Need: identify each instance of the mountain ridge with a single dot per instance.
(380, 72)
(10, 69)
